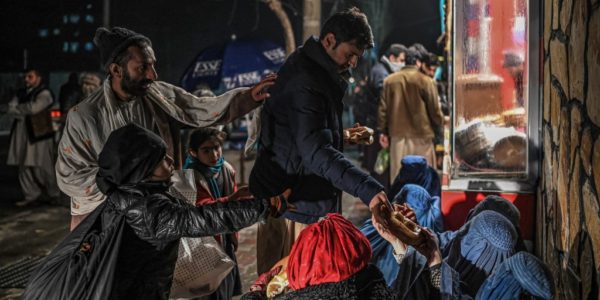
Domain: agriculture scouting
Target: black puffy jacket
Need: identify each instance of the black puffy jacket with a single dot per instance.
(155, 223)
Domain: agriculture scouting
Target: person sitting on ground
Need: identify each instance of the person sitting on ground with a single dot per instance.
(415, 170)
(522, 274)
(134, 172)
(480, 247)
(493, 203)
(417, 202)
(330, 260)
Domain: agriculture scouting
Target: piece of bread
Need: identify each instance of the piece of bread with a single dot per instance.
(406, 230)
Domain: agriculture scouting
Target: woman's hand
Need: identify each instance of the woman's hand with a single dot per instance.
(430, 248)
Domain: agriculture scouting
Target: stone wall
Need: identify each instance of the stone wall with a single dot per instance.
(568, 212)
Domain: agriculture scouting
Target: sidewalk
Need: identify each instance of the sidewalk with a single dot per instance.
(35, 231)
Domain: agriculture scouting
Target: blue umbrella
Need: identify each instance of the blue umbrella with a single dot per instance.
(235, 64)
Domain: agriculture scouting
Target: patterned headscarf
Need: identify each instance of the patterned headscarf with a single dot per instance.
(521, 273)
(480, 248)
(330, 250)
(427, 208)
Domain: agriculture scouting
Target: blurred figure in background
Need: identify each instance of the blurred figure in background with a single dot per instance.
(90, 82)
(409, 114)
(392, 61)
(70, 93)
(32, 146)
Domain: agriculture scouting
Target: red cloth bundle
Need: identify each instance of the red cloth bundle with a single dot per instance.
(330, 250)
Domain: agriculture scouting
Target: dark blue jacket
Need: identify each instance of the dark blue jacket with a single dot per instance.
(300, 145)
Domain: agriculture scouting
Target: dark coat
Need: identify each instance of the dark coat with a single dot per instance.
(300, 145)
(155, 223)
(155, 220)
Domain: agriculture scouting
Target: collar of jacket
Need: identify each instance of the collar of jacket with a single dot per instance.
(387, 64)
(314, 50)
(30, 93)
(410, 67)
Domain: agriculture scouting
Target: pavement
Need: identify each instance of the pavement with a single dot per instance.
(35, 230)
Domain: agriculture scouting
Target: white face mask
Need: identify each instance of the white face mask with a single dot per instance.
(396, 66)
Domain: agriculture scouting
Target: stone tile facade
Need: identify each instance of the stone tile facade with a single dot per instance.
(568, 213)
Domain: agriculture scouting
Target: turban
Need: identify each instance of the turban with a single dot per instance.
(427, 208)
(415, 170)
(480, 247)
(521, 274)
(330, 250)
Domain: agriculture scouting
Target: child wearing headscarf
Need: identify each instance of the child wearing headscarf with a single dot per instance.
(215, 182)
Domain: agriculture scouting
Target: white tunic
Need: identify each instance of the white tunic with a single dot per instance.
(90, 123)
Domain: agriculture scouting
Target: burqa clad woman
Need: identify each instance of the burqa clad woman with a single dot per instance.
(134, 171)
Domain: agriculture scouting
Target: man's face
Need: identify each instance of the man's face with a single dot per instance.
(344, 54)
(139, 72)
(32, 80)
(400, 59)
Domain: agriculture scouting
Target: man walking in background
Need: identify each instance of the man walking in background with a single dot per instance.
(409, 114)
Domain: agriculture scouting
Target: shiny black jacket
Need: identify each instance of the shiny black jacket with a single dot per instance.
(155, 223)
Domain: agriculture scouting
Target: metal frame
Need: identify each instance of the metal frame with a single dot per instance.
(534, 120)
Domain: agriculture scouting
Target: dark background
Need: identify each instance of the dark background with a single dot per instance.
(55, 33)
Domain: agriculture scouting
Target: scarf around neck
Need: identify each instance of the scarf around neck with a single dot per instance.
(208, 172)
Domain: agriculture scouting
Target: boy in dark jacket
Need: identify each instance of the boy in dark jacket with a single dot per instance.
(134, 171)
(300, 144)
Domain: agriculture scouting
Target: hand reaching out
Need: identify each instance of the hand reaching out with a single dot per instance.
(258, 92)
(430, 248)
(242, 193)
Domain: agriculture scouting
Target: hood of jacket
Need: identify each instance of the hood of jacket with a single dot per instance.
(129, 156)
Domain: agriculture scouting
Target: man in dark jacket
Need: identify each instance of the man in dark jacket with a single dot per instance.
(300, 144)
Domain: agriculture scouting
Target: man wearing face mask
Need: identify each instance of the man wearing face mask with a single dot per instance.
(392, 61)
(301, 141)
(132, 94)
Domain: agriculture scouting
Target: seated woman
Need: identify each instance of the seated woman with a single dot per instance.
(427, 213)
(490, 203)
(479, 248)
(521, 275)
(330, 260)
(416, 170)
(134, 172)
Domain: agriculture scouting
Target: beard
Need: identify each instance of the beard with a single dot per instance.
(135, 87)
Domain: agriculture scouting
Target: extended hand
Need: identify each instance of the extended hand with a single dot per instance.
(242, 193)
(384, 141)
(258, 92)
(381, 210)
(430, 248)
